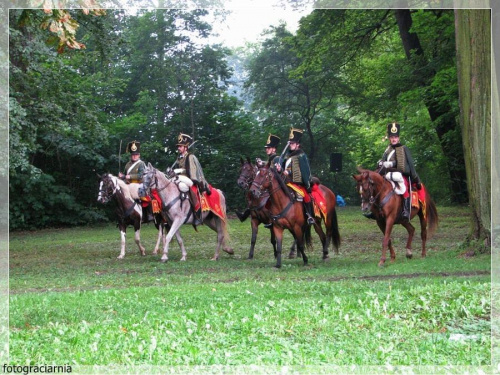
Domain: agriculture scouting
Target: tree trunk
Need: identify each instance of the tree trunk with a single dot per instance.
(440, 115)
(473, 43)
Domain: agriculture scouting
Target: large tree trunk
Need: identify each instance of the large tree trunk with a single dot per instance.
(472, 29)
(440, 114)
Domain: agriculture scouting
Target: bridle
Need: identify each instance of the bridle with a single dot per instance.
(371, 201)
(109, 189)
(247, 177)
(267, 180)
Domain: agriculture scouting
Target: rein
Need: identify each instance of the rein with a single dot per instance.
(373, 199)
(290, 201)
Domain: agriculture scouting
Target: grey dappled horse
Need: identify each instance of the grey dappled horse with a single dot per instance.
(178, 211)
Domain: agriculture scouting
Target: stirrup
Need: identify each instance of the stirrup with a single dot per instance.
(310, 220)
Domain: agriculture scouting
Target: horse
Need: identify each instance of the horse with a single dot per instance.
(178, 212)
(258, 211)
(379, 197)
(288, 213)
(129, 209)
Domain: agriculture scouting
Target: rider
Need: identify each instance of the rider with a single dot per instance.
(272, 143)
(397, 157)
(296, 169)
(188, 165)
(134, 170)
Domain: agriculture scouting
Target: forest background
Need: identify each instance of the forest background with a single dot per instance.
(342, 76)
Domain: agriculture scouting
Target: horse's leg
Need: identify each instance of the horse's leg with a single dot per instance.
(123, 237)
(214, 223)
(137, 236)
(181, 245)
(299, 237)
(160, 236)
(423, 231)
(273, 242)
(386, 228)
(293, 251)
(278, 234)
(171, 232)
(411, 231)
(325, 240)
(255, 229)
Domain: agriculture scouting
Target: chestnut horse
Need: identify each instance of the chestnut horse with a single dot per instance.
(378, 196)
(258, 211)
(288, 213)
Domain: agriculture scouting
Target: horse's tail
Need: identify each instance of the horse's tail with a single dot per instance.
(431, 214)
(334, 230)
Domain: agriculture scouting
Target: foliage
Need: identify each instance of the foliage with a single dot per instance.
(72, 292)
(342, 76)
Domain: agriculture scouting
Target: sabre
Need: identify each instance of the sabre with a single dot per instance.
(283, 152)
(120, 158)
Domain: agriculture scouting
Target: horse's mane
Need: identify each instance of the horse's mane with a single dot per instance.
(282, 183)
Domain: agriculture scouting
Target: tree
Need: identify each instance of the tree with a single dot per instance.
(474, 72)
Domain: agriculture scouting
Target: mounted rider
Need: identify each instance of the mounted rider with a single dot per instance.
(397, 164)
(271, 144)
(297, 170)
(133, 172)
(190, 175)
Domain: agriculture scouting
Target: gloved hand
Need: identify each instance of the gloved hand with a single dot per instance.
(419, 185)
(309, 190)
(380, 164)
(170, 173)
(388, 164)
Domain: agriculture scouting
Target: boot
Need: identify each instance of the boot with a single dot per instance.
(207, 189)
(197, 214)
(150, 212)
(243, 215)
(309, 213)
(197, 217)
(406, 208)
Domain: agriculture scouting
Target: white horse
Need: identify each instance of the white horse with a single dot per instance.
(129, 210)
(177, 211)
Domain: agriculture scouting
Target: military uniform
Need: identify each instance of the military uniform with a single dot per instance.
(187, 165)
(296, 165)
(398, 158)
(135, 169)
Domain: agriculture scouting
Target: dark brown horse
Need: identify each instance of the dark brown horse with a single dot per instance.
(378, 196)
(258, 211)
(288, 213)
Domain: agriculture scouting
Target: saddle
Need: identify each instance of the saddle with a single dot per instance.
(319, 202)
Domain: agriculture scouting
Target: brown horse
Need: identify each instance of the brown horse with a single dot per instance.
(288, 213)
(258, 211)
(379, 197)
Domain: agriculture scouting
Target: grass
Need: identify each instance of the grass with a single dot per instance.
(73, 302)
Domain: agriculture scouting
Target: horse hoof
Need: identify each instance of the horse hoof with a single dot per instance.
(215, 258)
(409, 256)
(381, 263)
(163, 260)
(326, 258)
(229, 251)
(292, 256)
(120, 257)
(250, 258)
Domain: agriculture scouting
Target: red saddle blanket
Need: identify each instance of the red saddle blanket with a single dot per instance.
(210, 202)
(154, 200)
(319, 201)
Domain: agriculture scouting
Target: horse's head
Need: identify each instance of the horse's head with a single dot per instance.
(366, 187)
(262, 181)
(247, 173)
(107, 188)
(148, 180)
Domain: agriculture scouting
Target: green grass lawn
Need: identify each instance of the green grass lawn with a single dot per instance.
(73, 302)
